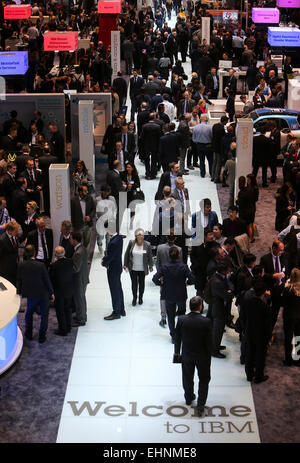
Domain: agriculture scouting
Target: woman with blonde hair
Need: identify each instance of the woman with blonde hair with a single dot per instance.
(138, 260)
(32, 213)
(291, 315)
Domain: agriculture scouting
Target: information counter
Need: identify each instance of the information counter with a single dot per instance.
(11, 339)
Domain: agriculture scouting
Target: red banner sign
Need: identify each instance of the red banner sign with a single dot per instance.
(60, 41)
(109, 7)
(17, 11)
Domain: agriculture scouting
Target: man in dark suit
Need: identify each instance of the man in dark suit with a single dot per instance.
(80, 278)
(57, 142)
(212, 83)
(186, 105)
(34, 181)
(33, 282)
(262, 154)
(167, 179)
(173, 277)
(9, 185)
(21, 160)
(9, 142)
(136, 83)
(19, 201)
(9, 252)
(233, 226)
(232, 81)
(221, 294)
(83, 210)
(142, 118)
(274, 264)
(61, 275)
(193, 335)
(128, 142)
(200, 257)
(113, 263)
(42, 240)
(118, 190)
(218, 132)
(169, 147)
(149, 143)
(64, 240)
(258, 330)
(121, 88)
(203, 218)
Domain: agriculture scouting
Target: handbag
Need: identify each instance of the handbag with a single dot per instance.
(138, 195)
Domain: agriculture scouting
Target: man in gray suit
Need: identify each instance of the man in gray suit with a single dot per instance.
(81, 278)
(162, 257)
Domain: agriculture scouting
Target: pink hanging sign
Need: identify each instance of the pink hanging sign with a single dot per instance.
(109, 7)
(60, 41)
(17, 11)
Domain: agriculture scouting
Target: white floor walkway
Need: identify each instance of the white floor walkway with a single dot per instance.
(123, 386)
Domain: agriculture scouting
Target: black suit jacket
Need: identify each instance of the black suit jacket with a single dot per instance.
(114, 181)
(135, 87)
(194, 334)
(262, 150)
(220, 296)
(232, 83)
(235, 229)
(165, 180)
(150, 137)
(77, 218)
(19, 200)
(169, 146)
(267, 262)
(21, 163)
(8, 187)
(142, 118)
(8, 259)
(113, 259)
(33, 239)
(33, 280)
(174, 276)
(9, 144)
(218, 131)
(66, 244)
(61, 275)
(33, 184)
(58, 144)
(209, 83)
(131, 146)
(257, 319)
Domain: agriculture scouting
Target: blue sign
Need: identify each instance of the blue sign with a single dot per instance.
(13, 63)
(284, 36)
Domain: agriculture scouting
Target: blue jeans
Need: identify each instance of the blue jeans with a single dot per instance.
(32, 303)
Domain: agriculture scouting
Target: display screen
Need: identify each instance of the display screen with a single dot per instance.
(13, 63)
(284, 37)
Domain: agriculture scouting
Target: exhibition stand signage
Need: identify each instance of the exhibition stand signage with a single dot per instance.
(60, 202)
(17, 11)
(288, 3)
(60, 41)
(265, 15)
(115, 53)
(109, 7)
(284, 36)
(13, 63)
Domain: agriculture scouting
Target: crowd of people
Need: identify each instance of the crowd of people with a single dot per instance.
(168, 130)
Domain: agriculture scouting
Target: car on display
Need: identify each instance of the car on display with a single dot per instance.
(287, 120)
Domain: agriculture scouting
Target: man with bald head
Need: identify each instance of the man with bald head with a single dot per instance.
(61, 275)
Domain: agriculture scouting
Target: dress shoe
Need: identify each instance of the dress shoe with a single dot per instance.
(42, 339)
(242, 361)
(147, 177)
(163, 323)
(196, 165)
(218, 355)
(188, 402)
(77, 323)
(288, 363)
(153, 177)
(140, 300)
(191, 168)
(249, 378)
(60, 333)
(200, 411)
(231, 325)
(112, 316)
(261, 380)
(172, 340)
(222, 347)
(123, 314)
(134, 302)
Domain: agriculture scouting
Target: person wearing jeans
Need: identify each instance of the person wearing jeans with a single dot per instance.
(138, 260)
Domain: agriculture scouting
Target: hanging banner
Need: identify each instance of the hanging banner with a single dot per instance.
(284, 36)
(60, 41)
(109, 7)
(17, 11)
(265, 15)
(115, 53)
(288, 3)
(13, 63)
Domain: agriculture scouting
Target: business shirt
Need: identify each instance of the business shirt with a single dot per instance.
(40, 254)
(202, 133)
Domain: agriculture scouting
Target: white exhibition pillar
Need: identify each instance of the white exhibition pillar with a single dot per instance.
(294, 94)
(86, 134)
(244, 148)
(205, 29)
(115, 42)
(60, 202)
